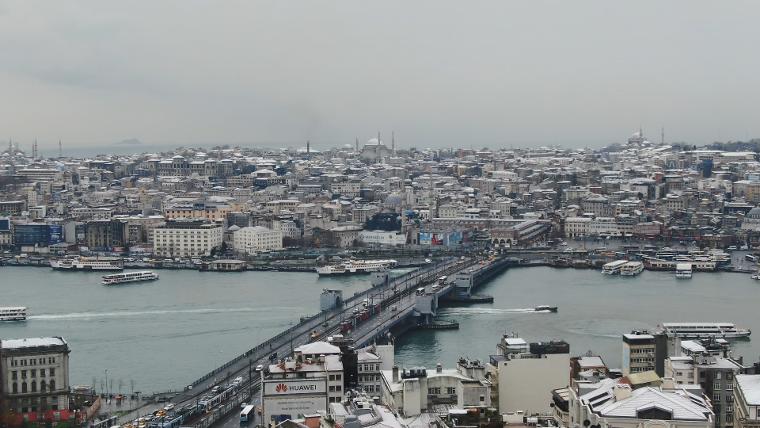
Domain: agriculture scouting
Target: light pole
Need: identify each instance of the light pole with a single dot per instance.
(107, 395)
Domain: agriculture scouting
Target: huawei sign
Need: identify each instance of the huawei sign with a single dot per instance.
(281, 387)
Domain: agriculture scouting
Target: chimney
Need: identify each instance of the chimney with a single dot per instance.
(439, 368)
(395, 373)
(622, 391)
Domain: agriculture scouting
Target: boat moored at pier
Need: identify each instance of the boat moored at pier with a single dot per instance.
(613, 268)
(79, 263)
(356, 266)
(631, 269)
(705, 330)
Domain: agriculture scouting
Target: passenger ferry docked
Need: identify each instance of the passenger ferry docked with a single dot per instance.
(121, 278)
(613, 268)
(356, 266)
(703, 330)
(631, 269)
(14, 313)
(87, 264)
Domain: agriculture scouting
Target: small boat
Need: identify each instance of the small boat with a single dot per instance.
(756, 276)
(122, 278)
(545, 308)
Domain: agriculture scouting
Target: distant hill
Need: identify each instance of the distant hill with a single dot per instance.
(129, 142)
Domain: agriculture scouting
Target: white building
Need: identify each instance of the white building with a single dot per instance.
(302, 385)
(186, 239)
(577, 226)
(371, 361)
(252, 239)
(610, 404)
(415, 391)
(381, 237)
(34, 374)
(747, 401)
(525, 374)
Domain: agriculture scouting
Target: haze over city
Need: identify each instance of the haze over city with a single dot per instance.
(439, 74)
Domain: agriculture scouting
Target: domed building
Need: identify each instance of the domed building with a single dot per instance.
(752, 220)
(374, 151)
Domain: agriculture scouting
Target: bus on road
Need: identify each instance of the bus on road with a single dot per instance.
(246, 415)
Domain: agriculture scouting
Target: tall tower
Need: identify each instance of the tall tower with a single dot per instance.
(60, 149)
(34, 149)
(662, 135)
(308, 148)
(356, 149)
(393, 143)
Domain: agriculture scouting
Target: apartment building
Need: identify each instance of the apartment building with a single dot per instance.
(186, 238)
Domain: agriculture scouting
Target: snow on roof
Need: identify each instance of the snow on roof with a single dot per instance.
(32, 342)
(750, 388)
(318, 348)
(681, 406)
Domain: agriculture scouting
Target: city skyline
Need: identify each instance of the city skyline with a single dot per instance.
(491, 74)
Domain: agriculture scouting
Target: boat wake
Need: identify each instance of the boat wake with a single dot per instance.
(128, 314)
(488, 311)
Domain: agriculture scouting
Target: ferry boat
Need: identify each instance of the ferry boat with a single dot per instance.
(545, 308)
(121, 278)
(631, 269)
(704, 330)
(683, 270)
(87, 264)
(613, 268)
(356, 266)
(13, 313)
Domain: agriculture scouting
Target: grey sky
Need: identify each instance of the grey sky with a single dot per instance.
(439, 73)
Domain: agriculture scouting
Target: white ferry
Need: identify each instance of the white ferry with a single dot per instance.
(613, 268)
(683, 270)
(631, 269)
(121, 278)
(87, 264)
(356, 266)
(701, 330)
(15, 313)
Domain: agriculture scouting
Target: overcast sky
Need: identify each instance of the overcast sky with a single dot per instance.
(439, 73)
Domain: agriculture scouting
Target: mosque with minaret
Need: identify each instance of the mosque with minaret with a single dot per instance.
(374, 150)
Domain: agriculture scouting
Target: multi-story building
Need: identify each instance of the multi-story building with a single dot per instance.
(253, 239)
(609, 404)
(639, 352)
(418, 390)
(34, 375)
(304, 384)
(525, 374)
(746, 401)
(186, 238)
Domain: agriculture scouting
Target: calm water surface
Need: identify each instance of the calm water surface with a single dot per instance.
(164, 334)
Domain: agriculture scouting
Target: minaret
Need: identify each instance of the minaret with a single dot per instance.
(60, 149)
(308, 148)
(662, 136)
(357, 145)
(393, 143)
(34, 149)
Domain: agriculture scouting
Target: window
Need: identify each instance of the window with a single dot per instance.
(52, 385)
(52, 372)
(434, 391)
(33, 372)
(43, 386)
(34, 386)
(42, 372)
(14, 375)
(716, 386)
(23, 388)
(23, 374)
(15, 388)
(451, 390)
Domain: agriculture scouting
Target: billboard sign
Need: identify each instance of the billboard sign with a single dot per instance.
(281, 387)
